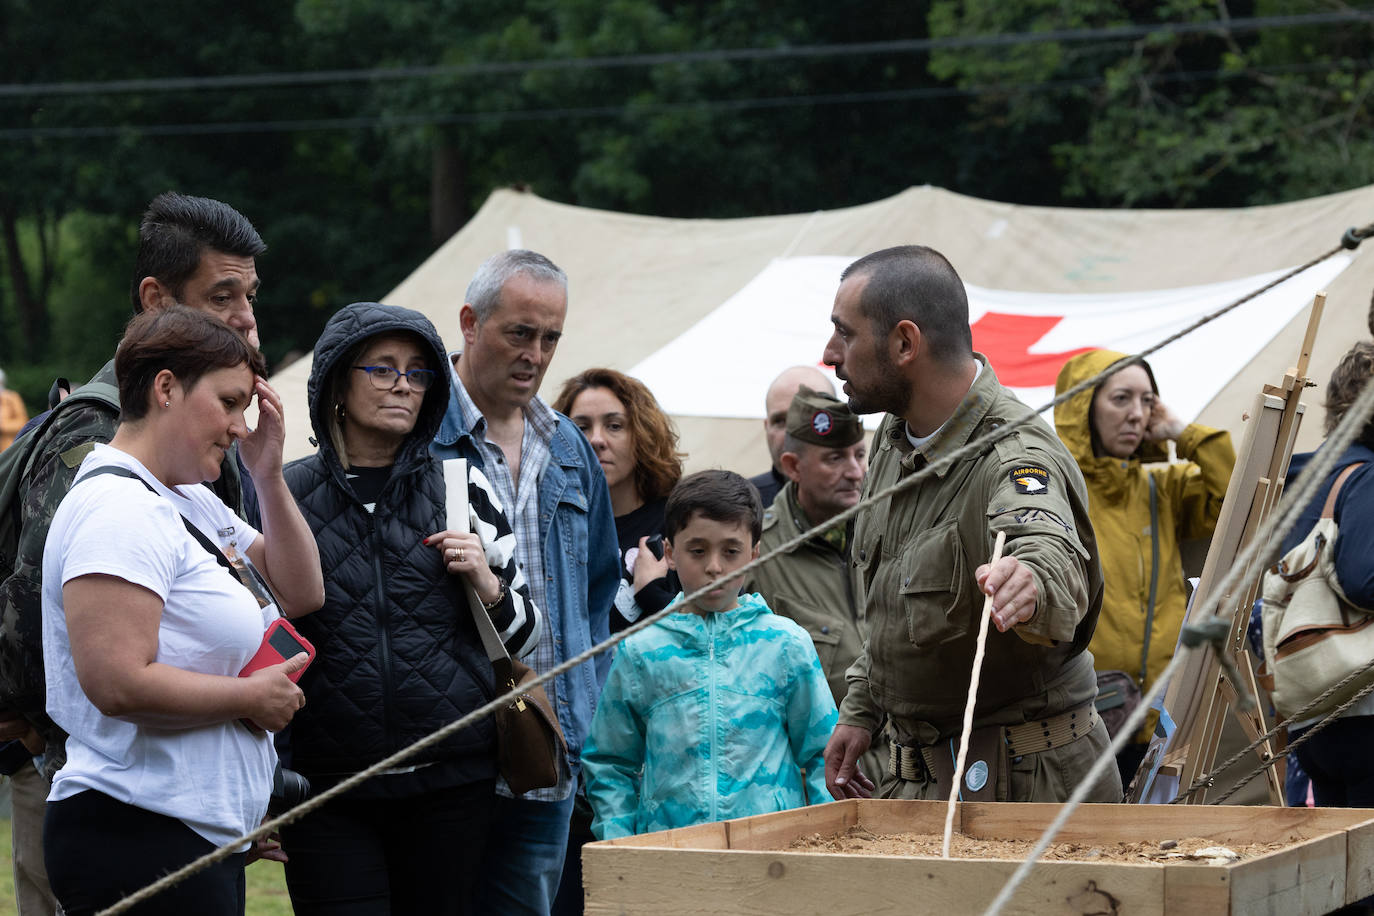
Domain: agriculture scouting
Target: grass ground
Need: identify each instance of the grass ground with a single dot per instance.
(266, 883)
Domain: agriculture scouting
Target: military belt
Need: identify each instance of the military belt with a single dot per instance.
(907, 763)
(910, 763)
(1056, 731)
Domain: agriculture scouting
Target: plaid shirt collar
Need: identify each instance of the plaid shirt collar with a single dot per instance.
(538, 415)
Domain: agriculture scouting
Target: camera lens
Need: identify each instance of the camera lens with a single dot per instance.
(289, 789)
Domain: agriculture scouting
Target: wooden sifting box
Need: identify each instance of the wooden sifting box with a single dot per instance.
(735, 867)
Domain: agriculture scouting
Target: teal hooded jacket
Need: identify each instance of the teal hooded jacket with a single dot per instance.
(708, 718)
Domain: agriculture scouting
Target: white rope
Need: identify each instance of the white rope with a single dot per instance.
(974, 446)
(962, 758)
(1275, 527)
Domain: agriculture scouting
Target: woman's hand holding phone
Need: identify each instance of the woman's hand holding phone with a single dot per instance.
(273, 697)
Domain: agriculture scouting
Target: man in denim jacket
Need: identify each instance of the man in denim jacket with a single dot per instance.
(555, 495)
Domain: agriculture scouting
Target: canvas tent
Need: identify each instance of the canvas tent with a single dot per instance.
(708, 311)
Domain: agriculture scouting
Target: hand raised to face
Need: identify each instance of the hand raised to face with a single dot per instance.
(261, 449)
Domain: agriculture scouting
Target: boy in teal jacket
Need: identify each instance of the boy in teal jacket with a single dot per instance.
(719, 710)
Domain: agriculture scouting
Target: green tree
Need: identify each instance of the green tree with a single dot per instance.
(354, 181)
(1215, 117)
(680, 138)
(334, 230)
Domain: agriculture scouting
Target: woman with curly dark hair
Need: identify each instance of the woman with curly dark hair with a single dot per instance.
(637, 446)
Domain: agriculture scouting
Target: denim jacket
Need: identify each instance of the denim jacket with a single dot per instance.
(581, 560)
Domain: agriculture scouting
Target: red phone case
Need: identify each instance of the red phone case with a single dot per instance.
(280, 637)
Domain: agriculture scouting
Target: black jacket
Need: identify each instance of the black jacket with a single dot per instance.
(398, 653)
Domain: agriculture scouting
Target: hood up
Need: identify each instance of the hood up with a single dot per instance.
(1073, 418)
(350, 326)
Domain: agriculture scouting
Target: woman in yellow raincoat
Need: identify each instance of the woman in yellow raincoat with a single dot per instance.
(1139, 514)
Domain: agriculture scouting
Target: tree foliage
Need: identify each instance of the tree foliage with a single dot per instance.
(354, 181)
(1219, 117)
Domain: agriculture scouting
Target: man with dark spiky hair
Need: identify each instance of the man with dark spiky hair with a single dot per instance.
(193, 251)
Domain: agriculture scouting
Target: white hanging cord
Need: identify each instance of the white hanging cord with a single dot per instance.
(961, 759)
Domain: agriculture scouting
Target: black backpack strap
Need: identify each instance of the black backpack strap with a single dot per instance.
(60, 388)
(196, 533)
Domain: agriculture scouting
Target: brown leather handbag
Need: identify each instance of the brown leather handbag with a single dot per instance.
(529, 741)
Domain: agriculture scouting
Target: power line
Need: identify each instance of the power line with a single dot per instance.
(899, 46)
(614, 111)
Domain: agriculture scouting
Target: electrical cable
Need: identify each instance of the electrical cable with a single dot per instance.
(627, 110)
(902, 46)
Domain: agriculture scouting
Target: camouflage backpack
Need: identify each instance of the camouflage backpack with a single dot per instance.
(21, 685)
(15, 464)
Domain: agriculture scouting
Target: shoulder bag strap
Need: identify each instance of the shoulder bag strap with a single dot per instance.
(1154, 580)
(1280, 568)
(1329, 507)
(195, 532)
(246, 575)
(457, 519)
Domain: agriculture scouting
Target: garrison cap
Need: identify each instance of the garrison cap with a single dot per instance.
(822, 419)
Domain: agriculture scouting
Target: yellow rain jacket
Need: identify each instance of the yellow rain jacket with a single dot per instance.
(1188, 501)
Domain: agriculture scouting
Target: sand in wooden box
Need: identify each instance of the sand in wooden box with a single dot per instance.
(746, 867)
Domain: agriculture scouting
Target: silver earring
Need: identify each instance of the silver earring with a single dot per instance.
(166, 403)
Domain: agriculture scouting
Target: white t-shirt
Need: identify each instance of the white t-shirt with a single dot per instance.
(214, 778)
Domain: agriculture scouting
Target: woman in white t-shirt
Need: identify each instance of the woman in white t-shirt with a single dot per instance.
(145, 630)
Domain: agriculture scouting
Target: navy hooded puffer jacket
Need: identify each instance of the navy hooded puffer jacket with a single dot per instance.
(398, 653)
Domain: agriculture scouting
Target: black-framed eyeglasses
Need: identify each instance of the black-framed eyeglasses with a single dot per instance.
(384, 378)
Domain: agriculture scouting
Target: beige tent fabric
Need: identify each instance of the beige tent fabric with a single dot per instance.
(637, 282)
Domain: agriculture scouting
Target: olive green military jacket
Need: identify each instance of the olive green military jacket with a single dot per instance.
(815, 585)
(917, 552)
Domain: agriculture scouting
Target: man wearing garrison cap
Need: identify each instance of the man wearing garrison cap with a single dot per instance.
(824, 458)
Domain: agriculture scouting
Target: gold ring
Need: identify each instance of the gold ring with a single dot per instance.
(460, 554)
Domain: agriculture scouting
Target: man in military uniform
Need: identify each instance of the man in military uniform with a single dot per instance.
(824, 458)
(775, 403)
(902, 345)
(192, 251)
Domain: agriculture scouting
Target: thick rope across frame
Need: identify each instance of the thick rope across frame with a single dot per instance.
(972, 447)
(1207, 780)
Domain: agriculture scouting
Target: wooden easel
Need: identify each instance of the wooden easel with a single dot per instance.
(1203, 691)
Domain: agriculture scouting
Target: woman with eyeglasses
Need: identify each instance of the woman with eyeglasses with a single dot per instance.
(398, 653)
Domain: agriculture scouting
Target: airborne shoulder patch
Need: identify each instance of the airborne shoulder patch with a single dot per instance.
(1030, 478)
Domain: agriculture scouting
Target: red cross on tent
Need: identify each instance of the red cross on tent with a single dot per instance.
(1006, 341)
